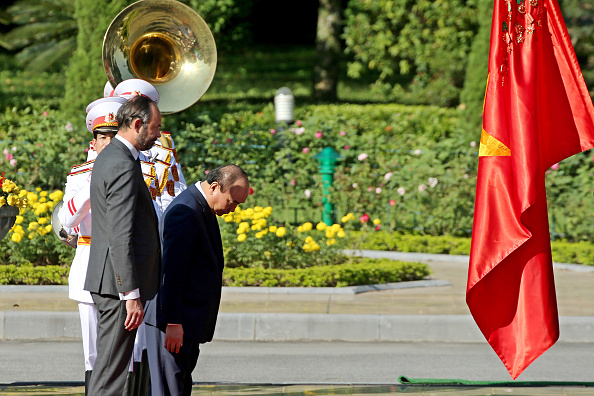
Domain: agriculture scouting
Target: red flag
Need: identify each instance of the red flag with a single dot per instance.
(537, 112)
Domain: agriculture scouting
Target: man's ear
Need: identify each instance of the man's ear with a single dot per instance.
(137, 124)
(213, 186)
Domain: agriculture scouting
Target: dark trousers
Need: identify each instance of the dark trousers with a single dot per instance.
(114, 347)
(171, 373)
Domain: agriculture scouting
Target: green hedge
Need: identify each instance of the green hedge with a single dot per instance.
(381, 240)
(29, 275)
(364, 272)
(563, 252)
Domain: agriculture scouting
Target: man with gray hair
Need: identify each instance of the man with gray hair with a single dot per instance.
(184, 314)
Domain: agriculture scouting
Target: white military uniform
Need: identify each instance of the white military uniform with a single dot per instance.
(75, 214)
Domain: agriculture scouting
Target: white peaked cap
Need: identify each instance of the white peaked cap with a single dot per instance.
(103, 114)
(135, 86)
(107, 90)
(115, 99)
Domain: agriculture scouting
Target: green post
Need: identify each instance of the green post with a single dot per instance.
(327, 157)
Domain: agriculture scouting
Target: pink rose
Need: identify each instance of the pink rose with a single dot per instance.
(422, 187)
(364, 218)
(342, 133)
(44, 113)
(305, 150)
(293, 182)
(272, 131)
(307, 194)
(392, 202)
(299, 123)
(377, 227)
(348, 147)
(401, 191)
(378, 190)
(473, 144)
(362, 157)
(318, 134)
(555, 166)
(13, 162)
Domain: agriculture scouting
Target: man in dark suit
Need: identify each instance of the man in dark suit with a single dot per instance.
(124, 262)
(185, 311)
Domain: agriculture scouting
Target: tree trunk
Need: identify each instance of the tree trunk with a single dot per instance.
(327, 50)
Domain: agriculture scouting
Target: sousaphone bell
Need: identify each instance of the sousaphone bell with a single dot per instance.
(165, 43)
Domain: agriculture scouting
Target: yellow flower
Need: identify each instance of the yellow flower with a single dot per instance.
(43, 194)
(32, 197)
(56, 196)
(257, 208)
(259, 235)
(33, 225)
(268, 210)
(377, 222)
(290, 244)
(272, 229)
(307, 226)
(42, 220)
(38, 189)
(16, 237)
(31, 236)
(281, 231)
(336, 227)
(344, 219)
(227, 218)
(8, 186)
(42, 199)
(2, 201)
(241, 237)
(267, 254)
(19, 219)
(309, 239)
(330, 233)
(341, 234)
(12, 200)
(330, 241)
(300, 229)
(307, 247)
(321, 226)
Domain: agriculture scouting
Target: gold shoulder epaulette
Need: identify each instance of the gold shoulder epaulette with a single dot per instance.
(73, 173)
(76, 167)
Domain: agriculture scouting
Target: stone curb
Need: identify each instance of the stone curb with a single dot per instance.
(36, 325)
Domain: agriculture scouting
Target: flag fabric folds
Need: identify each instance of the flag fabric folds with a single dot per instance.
(537, 112)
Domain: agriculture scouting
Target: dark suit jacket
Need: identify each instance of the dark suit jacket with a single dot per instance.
(125, 247)
(191, 281)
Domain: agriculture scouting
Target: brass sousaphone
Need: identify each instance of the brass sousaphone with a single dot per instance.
(165, 43)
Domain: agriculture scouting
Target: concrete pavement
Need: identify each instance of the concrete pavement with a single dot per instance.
(434, 310)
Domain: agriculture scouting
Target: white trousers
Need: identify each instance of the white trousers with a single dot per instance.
(88, 324)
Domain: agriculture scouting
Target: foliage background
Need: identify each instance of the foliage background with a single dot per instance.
(400, 123)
